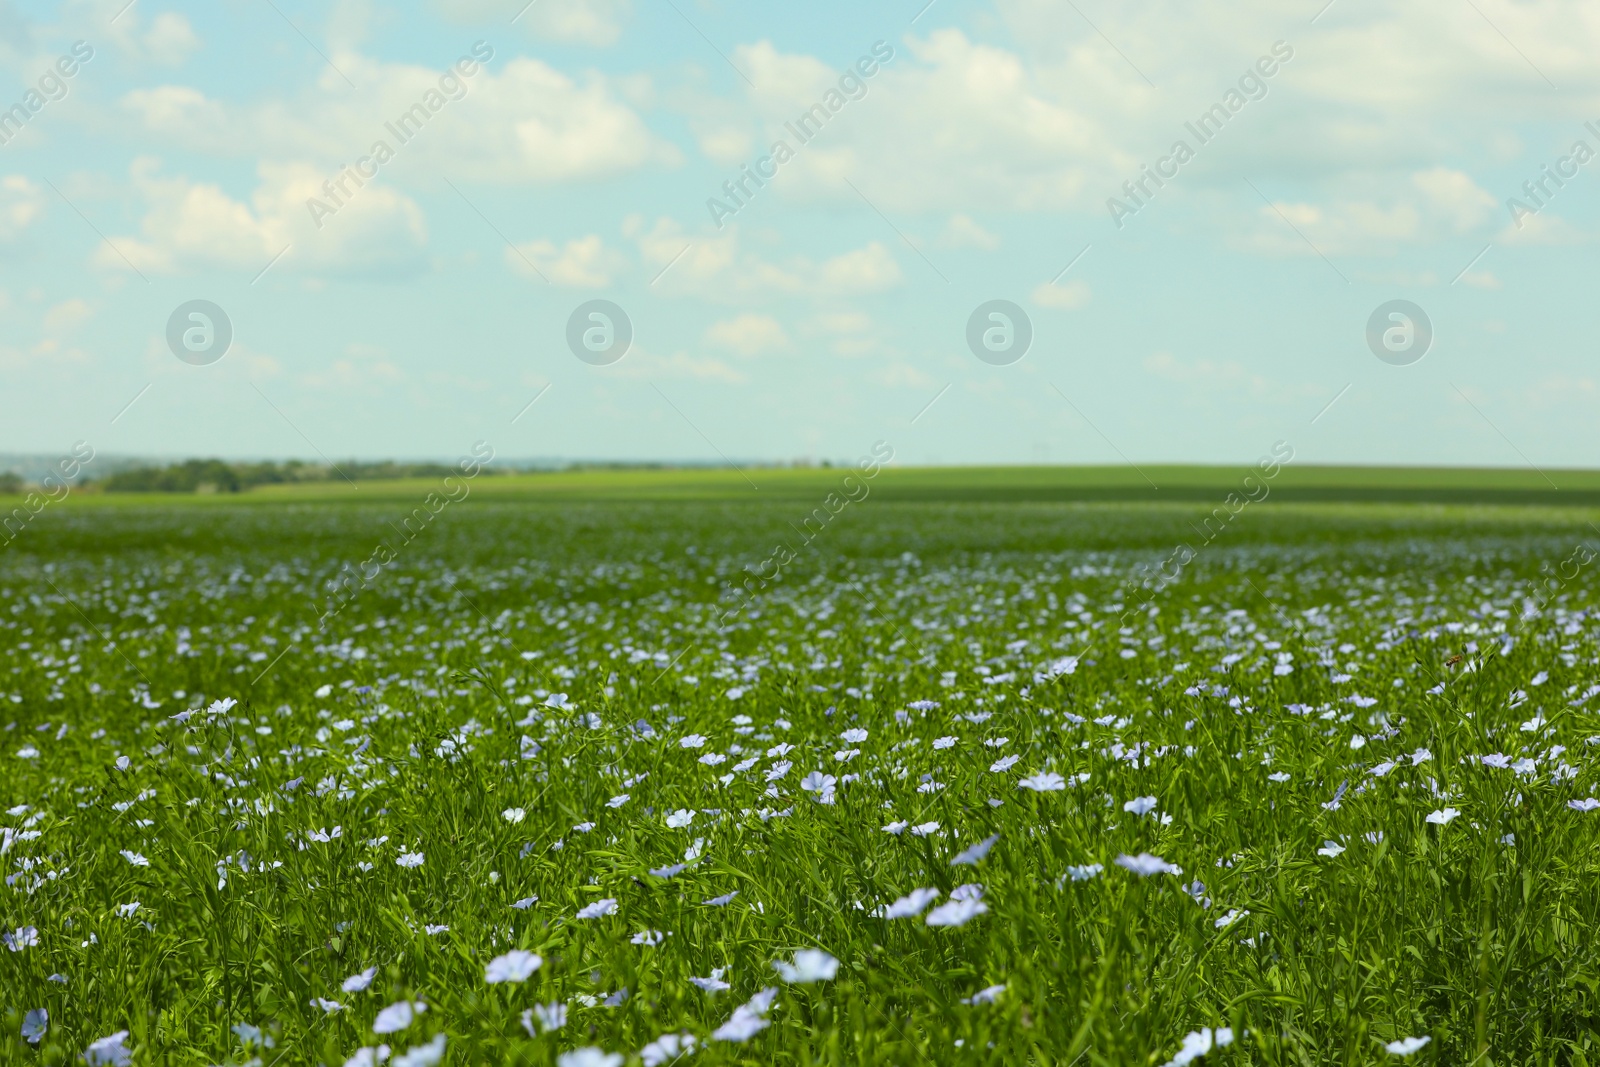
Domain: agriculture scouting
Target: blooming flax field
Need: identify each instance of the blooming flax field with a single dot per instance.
(961, 785)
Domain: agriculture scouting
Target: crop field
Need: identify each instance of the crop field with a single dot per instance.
(596, 782)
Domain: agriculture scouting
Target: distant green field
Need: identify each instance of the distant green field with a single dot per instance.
(1150, 484)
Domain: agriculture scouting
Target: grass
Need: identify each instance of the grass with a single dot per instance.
(1372, 653)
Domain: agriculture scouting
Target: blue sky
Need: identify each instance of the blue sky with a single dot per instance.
(1227, 312)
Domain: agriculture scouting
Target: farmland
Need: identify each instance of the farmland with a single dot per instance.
(582, 775)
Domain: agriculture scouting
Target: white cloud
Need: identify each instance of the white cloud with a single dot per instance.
(21, 201)
(962, 232)
(170, 39)
(591, 22)
(582, 263)
(713, 267)
(512, 122)
(190, 226)
(749, 334)
(1074, 294)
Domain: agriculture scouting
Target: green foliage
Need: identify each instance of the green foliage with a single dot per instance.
(402, 721)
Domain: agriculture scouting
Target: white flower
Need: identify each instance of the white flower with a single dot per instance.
(924, 829)
(970, 856)
(855, 735)
(714, 984)
(778, 770)
(1144, 865)
(1200, 1042)
(1406, 1045)
(367, 1056)
(1330, 848)
(911, 904)
(34, 1025)
(1233, 916)
(109, 1051)
(409, 859)
(398, 1016)
(1003, 764)
(135, 859)
(810, 965)
(126, 910)
(552, 1016)
(515, 966)
(328, 1006)
(558, 701)
(358, 983)
(944, 742)
(1140, 805)
(25, 937)
(1086, 872)
(1586, 804)
(956, 912)
(985, 996)
(589, 1057)
(845, 755)
(898, 827)
(1444, 815)
(514, 815)
(422, 1055)
(1277, 776)
(692, 741)
(617, 801)
(817, 782)
(667, 1048)
(712, 759)
(680, 818)
(604, 906)
(748, 1019)
(1045, 782)
(648, 938)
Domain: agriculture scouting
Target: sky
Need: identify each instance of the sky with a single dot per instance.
(504, 165)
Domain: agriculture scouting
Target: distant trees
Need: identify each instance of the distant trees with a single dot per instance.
(218, 476)
(10, 484)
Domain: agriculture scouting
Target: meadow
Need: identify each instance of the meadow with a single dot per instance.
(578, 778)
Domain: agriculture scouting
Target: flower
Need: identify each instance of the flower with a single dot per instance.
(125, 911)
(25, 937)
(680, 818)
(109, 1051)
(1003, 764)
(970, 856)
(514, 966)
(357, 983)
(692, 741)
(855, 735)
(943, 742)
(368, 1056)
(1406, 1045)
(409, 860)
(1045, 782)
(666, 1048)
(1233, 916)
(1200, 1042)
(712, 759)
(34, 1025)
(422, 1055)
(589, 1057)
(985, 996)
(135, 859)
(911, 904)
(817, 782)
(898, 827)
(604, 906)
(398, 1016)
(924, 829)
(1330, 849)
(648, 938)
(1140, 805)
(1586, 804)
(1496, 760)
(748, 1019)
(810, 965)
(1144, 865)
(956, 912)
(1442, 816)
(1086, 872)
(714, 984)
(551, 1016)
(514, 815)
(724, 900)
(617, 801)
(526, 902)
(328, 1006)
(778, 770)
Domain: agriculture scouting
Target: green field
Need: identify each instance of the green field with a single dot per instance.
(1022, 765)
